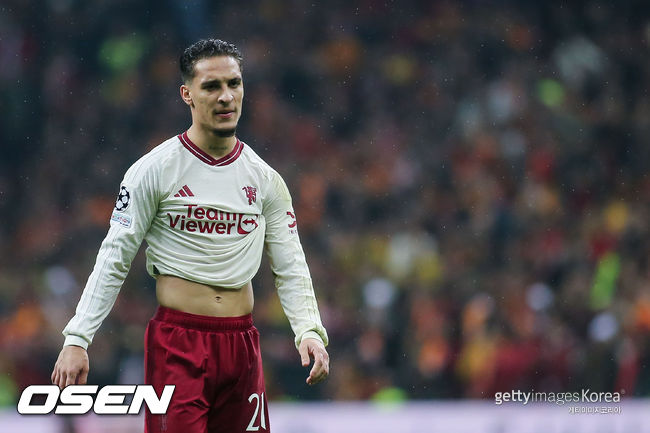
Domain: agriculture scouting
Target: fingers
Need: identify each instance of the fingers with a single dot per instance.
(304, 355)
(63, 379)
(316, 370)
(312, 348)
(59, 378)
(83, 377)
(55, 376)
(71, 379)
(71, 367)
(321, 368)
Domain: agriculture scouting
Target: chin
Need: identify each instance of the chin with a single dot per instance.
(225, 132)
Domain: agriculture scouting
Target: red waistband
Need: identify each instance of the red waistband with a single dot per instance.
(203, 323)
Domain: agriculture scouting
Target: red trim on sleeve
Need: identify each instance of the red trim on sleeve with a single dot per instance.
(196, 151)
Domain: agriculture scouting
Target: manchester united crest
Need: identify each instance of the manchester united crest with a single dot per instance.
(251, 194)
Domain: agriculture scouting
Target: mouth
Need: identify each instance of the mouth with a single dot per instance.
(225, 114)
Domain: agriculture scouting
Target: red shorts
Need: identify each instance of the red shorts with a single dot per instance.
(216, 365)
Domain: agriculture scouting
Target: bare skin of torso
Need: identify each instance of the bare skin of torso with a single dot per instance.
(195, 298)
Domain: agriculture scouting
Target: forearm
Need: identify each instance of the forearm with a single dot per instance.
(101, 290)
(131, 219)
(288, 263)
(298, 301)
(295, 289)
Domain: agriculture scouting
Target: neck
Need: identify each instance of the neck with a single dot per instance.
(210, 142)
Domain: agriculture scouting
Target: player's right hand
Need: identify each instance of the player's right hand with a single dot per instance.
(71, 368)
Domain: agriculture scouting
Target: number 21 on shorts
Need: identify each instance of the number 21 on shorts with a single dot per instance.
(259, 401)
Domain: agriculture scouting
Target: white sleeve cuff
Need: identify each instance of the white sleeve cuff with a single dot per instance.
(310, 334)
(75, 340)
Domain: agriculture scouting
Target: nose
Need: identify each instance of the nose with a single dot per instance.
(226, 97)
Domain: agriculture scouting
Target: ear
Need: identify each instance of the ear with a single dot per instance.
(185, 95)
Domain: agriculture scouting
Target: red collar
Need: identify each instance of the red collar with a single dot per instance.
(196, 151)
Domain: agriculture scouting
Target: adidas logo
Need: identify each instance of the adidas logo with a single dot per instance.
(184, 192)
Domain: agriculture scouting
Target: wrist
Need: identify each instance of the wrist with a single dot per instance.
(313, 335)
(75, 340)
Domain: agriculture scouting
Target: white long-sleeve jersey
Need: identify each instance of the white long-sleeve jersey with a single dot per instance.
(205, 220)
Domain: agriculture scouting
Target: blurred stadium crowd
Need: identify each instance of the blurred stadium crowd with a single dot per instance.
(470, 180)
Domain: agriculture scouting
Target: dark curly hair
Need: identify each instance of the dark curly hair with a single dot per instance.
(206, 48)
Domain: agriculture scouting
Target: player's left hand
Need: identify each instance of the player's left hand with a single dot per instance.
(312, 348)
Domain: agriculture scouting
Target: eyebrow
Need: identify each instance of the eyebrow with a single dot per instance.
(218, 81)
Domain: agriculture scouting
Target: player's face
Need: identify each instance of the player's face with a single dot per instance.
(215, 94)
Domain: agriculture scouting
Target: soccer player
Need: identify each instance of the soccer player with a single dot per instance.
(207, 205)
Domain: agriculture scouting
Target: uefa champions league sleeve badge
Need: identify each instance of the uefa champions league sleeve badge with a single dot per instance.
(122, 202)
(123, 199)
